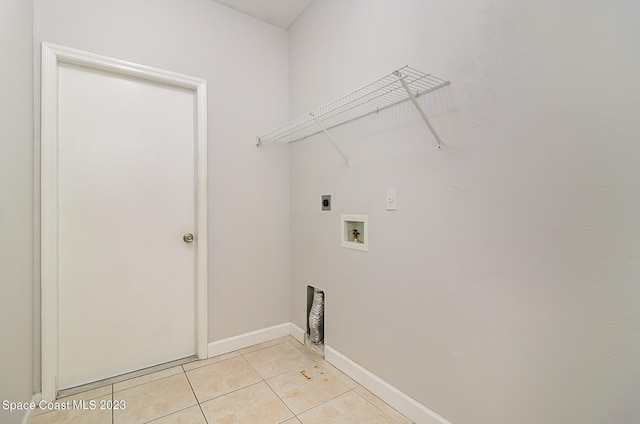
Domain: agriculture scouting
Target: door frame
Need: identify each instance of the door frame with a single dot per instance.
(52, 56)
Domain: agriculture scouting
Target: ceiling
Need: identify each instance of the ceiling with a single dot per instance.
(281, 13)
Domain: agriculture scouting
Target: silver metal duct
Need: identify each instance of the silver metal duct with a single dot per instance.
(316, 317)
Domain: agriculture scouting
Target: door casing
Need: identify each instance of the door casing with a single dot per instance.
(52, 56)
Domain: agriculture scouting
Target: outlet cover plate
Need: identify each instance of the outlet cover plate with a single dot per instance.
(391, 200)
(326, 202)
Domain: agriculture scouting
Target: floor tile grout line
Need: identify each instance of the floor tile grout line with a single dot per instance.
(146, 382)
(195, 396)
(313, 361)
(290, 418)
(304, 347)
(264, 380)
(203, 414)
(314, 358)
(258, 350)
(105, 382)
(213, 363)
(168, 415)
(281, 400)
(179, 410)
(310, 363)
(173, 412)
(232, 391)
(253, 367)
(228, 393)
(323, 402)
(284, 372)
(375, 406)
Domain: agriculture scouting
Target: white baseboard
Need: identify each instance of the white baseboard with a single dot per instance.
(296, 332)
(247, 339)
(403, 403)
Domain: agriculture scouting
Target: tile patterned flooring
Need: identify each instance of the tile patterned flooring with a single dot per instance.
(276, 382)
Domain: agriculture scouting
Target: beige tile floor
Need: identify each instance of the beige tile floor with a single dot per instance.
(277, 382)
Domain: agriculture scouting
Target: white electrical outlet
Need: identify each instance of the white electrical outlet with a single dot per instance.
(391, 200)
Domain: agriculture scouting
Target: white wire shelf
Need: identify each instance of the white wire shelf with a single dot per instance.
(399, 86)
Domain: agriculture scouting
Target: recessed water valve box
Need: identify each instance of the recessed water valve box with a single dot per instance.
(354, 232)
(326, 202)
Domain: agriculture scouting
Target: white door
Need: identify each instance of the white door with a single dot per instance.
(126, 197)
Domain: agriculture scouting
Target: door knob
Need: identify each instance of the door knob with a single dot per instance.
(188, 238)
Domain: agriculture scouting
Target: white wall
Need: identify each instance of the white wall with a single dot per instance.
(245, 64)
(16, 205)
(505, 287)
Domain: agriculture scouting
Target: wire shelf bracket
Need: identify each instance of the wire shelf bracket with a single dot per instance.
(397, 87)
(347, 161)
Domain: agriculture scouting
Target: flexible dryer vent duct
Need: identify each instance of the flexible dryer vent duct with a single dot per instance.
(316, 317)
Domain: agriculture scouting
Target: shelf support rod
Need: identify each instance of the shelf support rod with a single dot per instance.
(346, 159)
(417, 105)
